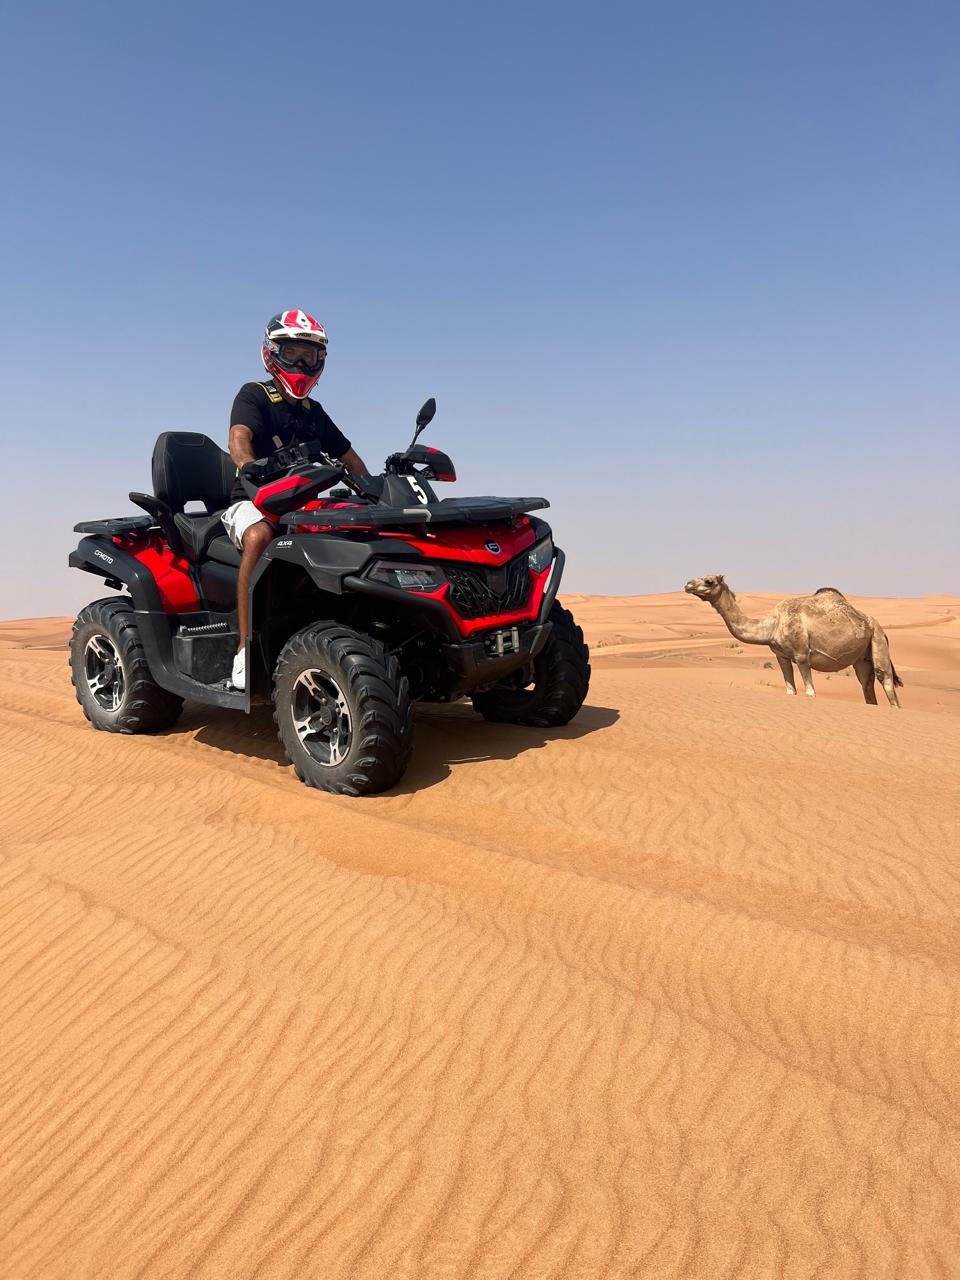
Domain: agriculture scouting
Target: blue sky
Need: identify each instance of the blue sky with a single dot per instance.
(691, 271)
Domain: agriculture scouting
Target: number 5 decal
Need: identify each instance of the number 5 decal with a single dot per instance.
(421, 496)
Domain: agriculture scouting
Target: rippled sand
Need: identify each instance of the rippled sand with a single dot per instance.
(672, 992)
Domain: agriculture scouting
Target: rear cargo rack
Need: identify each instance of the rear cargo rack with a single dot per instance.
(448, 511)
(116, 526)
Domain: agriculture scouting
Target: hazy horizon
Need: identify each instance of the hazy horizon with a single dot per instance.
(692, 275)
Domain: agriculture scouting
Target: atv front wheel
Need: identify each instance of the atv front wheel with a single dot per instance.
(559, 684)
(109, 672)
(342, 710)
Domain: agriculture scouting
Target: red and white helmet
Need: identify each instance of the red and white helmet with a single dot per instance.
(298, 375)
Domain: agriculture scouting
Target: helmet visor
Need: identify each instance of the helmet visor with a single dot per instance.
(305, 357)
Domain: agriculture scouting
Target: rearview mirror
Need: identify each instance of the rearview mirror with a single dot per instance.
(426, 413)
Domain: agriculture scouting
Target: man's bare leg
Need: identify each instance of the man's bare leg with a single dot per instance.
(255, 542)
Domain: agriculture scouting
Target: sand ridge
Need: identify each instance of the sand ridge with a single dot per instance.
(672, 992)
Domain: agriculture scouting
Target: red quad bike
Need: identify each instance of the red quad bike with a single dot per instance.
(368, 599)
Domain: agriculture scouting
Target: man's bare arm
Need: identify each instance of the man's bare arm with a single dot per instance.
(353, 462)
(241, 445)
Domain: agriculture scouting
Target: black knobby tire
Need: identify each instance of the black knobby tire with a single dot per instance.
(364, 744)
(109, 672)
(561, 678)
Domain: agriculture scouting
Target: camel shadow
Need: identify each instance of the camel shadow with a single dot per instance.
(445, 736)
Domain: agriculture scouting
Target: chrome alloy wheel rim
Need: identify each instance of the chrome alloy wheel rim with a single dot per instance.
(103, 672)
(321, 717)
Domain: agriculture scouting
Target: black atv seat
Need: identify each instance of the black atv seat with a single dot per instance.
(189, 467)
(197, 531)
(223, 550)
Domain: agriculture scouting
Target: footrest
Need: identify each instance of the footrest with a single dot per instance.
(206, 657)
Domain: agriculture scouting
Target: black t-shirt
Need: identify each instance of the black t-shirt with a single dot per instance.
(276, 423)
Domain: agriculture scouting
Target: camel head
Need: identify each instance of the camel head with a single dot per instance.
(706, 588)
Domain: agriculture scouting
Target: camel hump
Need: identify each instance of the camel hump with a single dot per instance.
(820, 590)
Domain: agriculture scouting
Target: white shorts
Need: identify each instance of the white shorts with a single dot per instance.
(237, 519)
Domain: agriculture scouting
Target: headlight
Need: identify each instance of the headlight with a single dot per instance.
(541, 555)
(408, 577)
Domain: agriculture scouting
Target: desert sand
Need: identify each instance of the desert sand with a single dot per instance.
(672, 992)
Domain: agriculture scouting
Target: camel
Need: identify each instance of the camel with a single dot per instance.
(822, 632)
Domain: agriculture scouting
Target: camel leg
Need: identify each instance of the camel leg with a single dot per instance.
(786, 666)
(889, 688)
(866, 675)
(807, 678)
(880, 651)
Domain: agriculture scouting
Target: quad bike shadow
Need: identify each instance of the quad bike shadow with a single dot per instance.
(445, 736)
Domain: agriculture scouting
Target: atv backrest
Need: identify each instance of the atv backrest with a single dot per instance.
(189, 467)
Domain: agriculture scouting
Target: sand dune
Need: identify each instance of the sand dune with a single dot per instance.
(672, 992)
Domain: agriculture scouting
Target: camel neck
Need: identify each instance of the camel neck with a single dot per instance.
(749, 630)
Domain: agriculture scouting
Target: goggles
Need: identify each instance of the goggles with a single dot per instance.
(305, 357)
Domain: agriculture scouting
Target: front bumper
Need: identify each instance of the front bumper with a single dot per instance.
(471, 666)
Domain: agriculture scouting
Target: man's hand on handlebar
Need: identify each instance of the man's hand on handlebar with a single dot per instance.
(253, 471)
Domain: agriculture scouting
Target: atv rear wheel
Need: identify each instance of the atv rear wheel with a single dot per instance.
(342, 710)
(559, 684)
(109, 672)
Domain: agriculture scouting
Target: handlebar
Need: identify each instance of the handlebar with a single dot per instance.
(293, 455)
(309, 461)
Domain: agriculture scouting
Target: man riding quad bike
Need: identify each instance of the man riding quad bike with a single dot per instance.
(371, 597)
(272, 415)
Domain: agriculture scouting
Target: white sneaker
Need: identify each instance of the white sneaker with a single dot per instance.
(239, 676)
